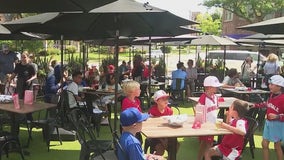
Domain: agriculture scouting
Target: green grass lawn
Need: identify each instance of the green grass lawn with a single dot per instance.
(70, 150)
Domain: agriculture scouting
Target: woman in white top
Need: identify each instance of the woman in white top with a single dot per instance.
(271, 66)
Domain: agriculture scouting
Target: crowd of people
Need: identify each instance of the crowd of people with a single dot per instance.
(23, 76)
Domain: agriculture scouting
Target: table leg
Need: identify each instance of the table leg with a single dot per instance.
(172, 148)
(14, 126)
(221, 114)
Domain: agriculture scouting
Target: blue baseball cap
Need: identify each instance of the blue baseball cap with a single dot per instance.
(132, 115)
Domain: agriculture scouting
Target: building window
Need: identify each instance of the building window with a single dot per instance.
(228, 16)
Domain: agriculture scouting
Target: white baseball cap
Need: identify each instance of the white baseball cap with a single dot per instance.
(212, 81)
(277, 80)
(160, 94)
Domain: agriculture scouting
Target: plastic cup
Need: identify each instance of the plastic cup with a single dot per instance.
(221, 99)
(218, 123)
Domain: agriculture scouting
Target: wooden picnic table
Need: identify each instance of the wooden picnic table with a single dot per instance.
(159, 128)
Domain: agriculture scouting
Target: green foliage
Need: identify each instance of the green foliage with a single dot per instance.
(166, 49)
(11, 44)
(70, 49)
(53, 51)
(105, 62)
(33, 45)
(43, 64)
(251, 10)
(160, 69)
(74, 64)
(93, 49)
(208, 24)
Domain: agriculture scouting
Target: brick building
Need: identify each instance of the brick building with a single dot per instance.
(231, 21)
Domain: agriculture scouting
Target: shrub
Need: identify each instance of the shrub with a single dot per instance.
(53, 51)
(70, 49)
(167, 49)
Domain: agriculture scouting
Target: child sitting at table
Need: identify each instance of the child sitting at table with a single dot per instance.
(131, 121)
(161, 108)
(274, 117)
(110, 86)
(209, 100)
(232, 144)
(132, 91)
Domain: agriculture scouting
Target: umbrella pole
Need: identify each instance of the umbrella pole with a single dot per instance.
(224, 61)
(150, 68)
(205, 63)
(62, 53)
(164, 56)
(84, 58)
(178, 53)
(257, 65)
(99, 55)
(116, 78)
(22, 46)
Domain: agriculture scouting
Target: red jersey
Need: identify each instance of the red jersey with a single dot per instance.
(232, 144)
(154, 111)
(211, 104)
(127, 103)
(276, 105)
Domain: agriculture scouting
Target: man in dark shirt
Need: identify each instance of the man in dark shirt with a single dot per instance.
(7, 62)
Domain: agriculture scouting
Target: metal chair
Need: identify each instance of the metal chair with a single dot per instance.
(90, 146)
(178, 93)
(9, 143)
(253, 125)
(48, 123)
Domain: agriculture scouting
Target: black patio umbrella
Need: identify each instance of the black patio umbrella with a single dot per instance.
(41, 6)
(211, 40)
(108, 22)
(271, 26)
(150, 15)
(4, 30)
(20, 36)
(260, 36)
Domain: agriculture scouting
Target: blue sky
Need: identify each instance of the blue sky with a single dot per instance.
(178, 7)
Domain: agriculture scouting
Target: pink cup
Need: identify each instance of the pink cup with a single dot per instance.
(196, 125)
(221, 99)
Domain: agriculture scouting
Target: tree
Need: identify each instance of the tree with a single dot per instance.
(209, 25)
(251, 10)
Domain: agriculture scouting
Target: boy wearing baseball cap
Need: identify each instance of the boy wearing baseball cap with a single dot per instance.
(209, 100)
(161, 108)
(273, 128)
(131, 121)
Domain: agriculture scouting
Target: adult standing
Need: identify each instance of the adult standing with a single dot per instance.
(8, 59)
(271, 67)
(191, 77)
(247, 71)
(137, 68)
(25, 73)
(123, 70)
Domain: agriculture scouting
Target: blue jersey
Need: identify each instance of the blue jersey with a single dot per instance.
(131, 146)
